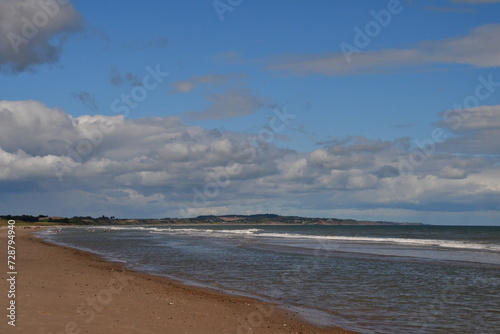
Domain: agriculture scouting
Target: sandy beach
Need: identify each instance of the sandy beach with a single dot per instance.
(62, 290)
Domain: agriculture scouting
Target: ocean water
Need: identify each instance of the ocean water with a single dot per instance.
(371, 279)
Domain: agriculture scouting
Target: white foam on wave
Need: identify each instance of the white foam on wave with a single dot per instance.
(206, 232)
(255, 232)
(121, 228)
(184, 231)
(248, 231)
(397, 241)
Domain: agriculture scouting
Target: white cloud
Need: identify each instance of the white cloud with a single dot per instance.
(296, 169)
(479, 48)
(449, 172)
(471, 119)
(20, 121)
(153, 167)
(20, 165)
(476, 130)
(327, 160)
(32, 32)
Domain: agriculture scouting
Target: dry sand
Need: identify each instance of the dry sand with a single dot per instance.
(62, 290)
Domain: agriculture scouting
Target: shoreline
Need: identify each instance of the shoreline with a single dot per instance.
(65, 290)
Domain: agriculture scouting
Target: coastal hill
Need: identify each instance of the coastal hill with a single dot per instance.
(268, 219)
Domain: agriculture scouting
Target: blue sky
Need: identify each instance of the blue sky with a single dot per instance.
(362, 83)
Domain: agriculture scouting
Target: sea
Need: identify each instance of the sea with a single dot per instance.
(370, 279)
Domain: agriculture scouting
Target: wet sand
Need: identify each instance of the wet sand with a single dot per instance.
(62, 290)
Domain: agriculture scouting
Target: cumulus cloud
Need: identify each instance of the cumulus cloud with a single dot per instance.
(157, 167)
(32, 33)
(479, 48)
(52, 128)
(20, 165)
(450, 172)
(474, 130)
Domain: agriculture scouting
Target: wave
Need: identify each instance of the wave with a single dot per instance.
(394, 241)
(260, 233)
(185, 231)
(121, 228)
(208, 232)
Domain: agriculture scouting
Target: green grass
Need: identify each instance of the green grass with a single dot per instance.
(4, 222)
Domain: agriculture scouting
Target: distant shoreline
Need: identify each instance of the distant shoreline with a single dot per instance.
(258, 219)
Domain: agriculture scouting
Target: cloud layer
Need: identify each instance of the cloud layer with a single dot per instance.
(154, 167)
(479, 48)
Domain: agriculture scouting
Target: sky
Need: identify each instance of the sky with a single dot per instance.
(379, 110)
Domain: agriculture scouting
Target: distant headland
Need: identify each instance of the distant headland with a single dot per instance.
(263, 219)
